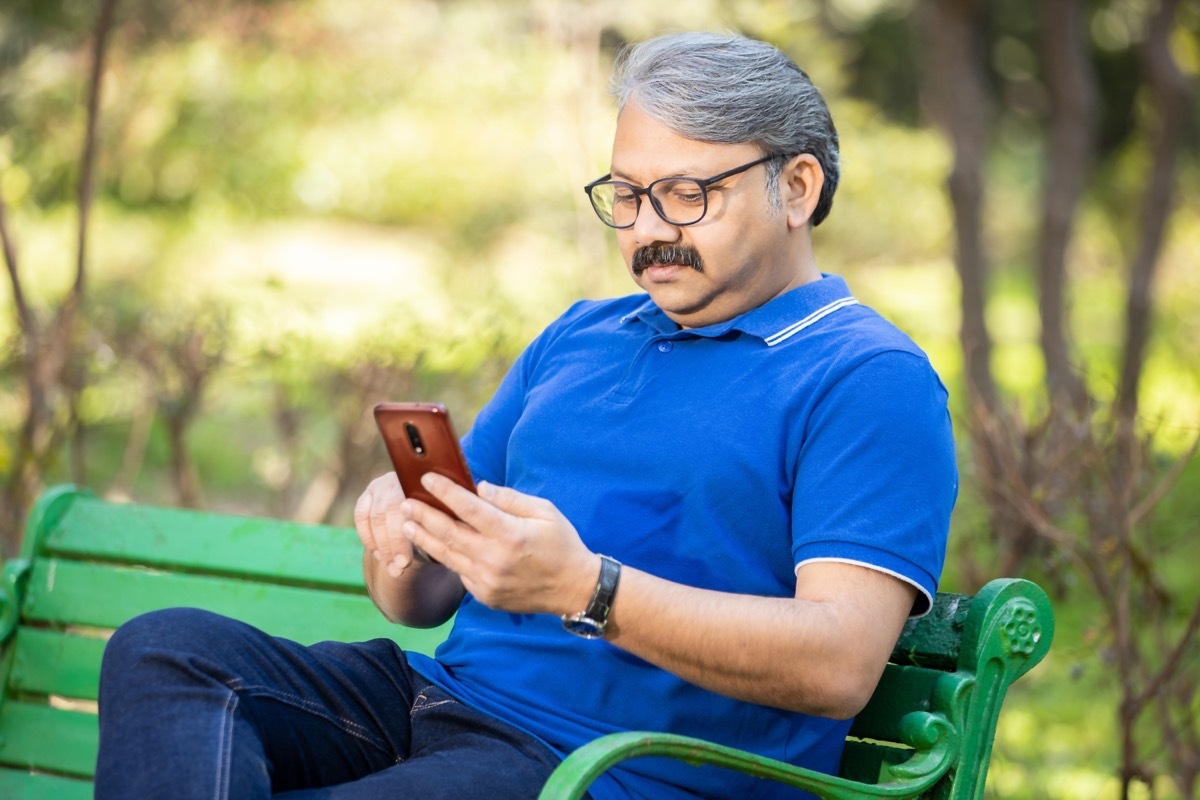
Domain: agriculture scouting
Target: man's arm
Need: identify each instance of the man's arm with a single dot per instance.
(820, 652)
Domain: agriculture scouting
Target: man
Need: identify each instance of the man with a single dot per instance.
(766, 466)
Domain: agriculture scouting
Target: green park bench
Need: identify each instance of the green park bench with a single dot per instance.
(87, 565)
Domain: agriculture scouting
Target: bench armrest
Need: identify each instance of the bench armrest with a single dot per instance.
(932, 735)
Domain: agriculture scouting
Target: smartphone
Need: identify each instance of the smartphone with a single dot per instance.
(420, 438)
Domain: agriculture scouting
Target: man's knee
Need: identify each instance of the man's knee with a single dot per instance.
(161, 639)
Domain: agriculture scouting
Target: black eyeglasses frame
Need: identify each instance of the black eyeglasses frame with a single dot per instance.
(638, 192)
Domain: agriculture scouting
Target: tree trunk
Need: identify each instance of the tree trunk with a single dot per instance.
(956, 91)
(75, 372)
(1173, 97)
(18, 490)
(50, 359)
(1070, 151)
(183, 473)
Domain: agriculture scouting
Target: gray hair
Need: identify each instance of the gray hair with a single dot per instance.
(730, 89)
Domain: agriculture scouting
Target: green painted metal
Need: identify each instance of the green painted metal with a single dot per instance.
(12, 586)
(46, 511)
(901, 689)
(935, 639)
(88, 565)
(943, 722)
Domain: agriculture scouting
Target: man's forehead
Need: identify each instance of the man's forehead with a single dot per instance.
(645, 150)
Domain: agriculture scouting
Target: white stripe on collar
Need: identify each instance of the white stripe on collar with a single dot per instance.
(637, 312)
(814, 317)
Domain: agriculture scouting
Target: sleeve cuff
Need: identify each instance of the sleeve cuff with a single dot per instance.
(900, 570)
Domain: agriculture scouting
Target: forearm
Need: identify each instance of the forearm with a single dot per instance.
(808, 655)
(424, 595)
(820, 652)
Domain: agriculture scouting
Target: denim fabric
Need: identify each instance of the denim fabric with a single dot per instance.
(195, 705)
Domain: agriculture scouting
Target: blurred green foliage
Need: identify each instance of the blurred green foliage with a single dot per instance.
(381, 199)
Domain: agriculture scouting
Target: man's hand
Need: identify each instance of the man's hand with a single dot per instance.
(378, 520)
(511, 551)
(401, 581)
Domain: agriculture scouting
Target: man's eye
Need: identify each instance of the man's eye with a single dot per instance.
(688, 196)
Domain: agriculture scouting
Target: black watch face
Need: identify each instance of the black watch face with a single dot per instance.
(584, 626)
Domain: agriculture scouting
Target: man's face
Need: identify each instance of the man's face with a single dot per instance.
(745, 248)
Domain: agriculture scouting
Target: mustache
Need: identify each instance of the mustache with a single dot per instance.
(651, 255)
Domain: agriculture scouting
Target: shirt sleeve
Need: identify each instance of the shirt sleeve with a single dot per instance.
(876, 477)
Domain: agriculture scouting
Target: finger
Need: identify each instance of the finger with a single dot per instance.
(468, 506)
(399, 550)
(436, 547)
(513, 502)
(440, 537)
(362, 520)
(384, 535)
(364, 509)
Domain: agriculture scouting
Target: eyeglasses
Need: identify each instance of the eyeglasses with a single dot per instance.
(679, 201)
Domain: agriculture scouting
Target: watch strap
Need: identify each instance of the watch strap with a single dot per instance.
(591, 622)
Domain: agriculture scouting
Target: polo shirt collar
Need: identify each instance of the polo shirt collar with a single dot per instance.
(773, 322)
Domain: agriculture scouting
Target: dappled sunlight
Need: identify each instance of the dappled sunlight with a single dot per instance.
(327, 203)
(329, 277)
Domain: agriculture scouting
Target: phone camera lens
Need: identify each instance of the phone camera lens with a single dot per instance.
(414, 438)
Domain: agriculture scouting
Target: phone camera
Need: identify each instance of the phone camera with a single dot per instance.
(414, 438)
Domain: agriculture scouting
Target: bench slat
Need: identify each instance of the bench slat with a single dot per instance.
(54, 662)
(196, 541)
(33, 786)
(51, 739)
(67, 592)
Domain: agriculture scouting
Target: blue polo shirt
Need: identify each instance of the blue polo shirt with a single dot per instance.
(721, 457)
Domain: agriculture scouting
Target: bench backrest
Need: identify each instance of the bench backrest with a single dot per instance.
(88, 565)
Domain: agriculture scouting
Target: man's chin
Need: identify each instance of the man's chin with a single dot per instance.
(680, 303)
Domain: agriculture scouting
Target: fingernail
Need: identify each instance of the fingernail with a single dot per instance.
(485, 490)
(378, 556)
(401, 561)
(428, 480)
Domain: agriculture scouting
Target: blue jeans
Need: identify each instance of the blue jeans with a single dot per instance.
(194, 705)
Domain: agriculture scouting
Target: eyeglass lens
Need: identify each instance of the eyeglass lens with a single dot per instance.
(680, 201)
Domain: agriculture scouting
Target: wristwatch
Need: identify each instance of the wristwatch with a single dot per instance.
(590, 622)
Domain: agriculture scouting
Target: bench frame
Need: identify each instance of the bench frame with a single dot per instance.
(926, 732)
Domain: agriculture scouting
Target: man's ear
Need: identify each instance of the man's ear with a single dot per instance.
(800, 183)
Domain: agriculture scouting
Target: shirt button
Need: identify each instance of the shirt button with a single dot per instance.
(665, 347)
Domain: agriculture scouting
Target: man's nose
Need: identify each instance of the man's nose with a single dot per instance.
(650, 227)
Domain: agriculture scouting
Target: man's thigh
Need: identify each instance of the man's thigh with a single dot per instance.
(196, 704)
(335, 713)
(457, 753)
